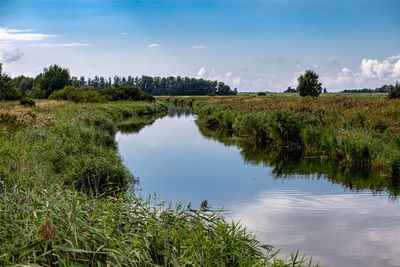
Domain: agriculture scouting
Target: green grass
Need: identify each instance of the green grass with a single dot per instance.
(323, 95)
(66, 197)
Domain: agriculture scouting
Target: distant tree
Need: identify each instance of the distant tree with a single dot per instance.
(309, 85)
(291, 90)
(52, 79)
(7, 91)
(325, 91)
(394, 91)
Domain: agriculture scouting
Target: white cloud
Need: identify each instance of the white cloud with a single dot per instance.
(331, 62)
(243, 80)
(22, 35)
(388, 68)
(75, 44)
(18, 31)
(124, 33)
(278, 60)
(199, 47)
(373, 73)
(11, 56)
(154, 45)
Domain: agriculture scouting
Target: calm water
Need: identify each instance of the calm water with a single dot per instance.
(328, 216)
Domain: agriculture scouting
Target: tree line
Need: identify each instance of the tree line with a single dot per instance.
(56, 78)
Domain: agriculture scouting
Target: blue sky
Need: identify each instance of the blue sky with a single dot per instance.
(252, 45)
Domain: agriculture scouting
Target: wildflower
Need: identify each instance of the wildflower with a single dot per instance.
(48, 230)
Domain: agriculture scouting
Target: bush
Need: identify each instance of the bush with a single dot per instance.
(131, 93)
(27, 102)
(394, 91)
(83, 94)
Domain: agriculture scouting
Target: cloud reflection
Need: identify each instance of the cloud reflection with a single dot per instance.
(342, 229)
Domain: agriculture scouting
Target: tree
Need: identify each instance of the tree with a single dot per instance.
(394, 91)
(291, 90)
(7, 91)
(309, 85)
(52, 79)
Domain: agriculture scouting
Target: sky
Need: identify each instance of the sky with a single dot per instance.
(252, 45)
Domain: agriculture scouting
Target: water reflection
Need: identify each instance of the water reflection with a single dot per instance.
(290, 201)
(338, 229)
(286, 165)
(178, 112)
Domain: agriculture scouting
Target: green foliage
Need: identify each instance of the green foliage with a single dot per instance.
(23, 85)
(52, 79)
(394, 91)
(7, 91)
(27, 102)
(131, 93)
(78, 95)
(286, 127)
(309, 85)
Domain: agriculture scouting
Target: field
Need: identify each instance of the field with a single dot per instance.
(66, 197)
(323, 95)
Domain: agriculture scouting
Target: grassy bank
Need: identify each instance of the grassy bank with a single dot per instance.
(65, 197)
(363, 132)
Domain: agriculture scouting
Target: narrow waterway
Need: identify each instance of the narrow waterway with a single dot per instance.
(324, 217)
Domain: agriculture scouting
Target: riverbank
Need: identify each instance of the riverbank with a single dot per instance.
(65, 196)
(353, 131)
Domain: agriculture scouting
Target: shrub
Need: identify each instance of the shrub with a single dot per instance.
(394, 91)
(62, 94)
(82, 94)
(118, 92)
(27, 102)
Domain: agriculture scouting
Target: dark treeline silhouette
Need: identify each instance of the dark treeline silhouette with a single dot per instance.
(160, 85)
(55, 78)
(383, 89)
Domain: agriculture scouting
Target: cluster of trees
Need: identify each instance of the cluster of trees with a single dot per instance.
(383, 89)
(176, 85)
(291, 90)
(56, 78)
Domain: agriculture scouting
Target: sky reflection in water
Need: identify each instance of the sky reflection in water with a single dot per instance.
(336, 225)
